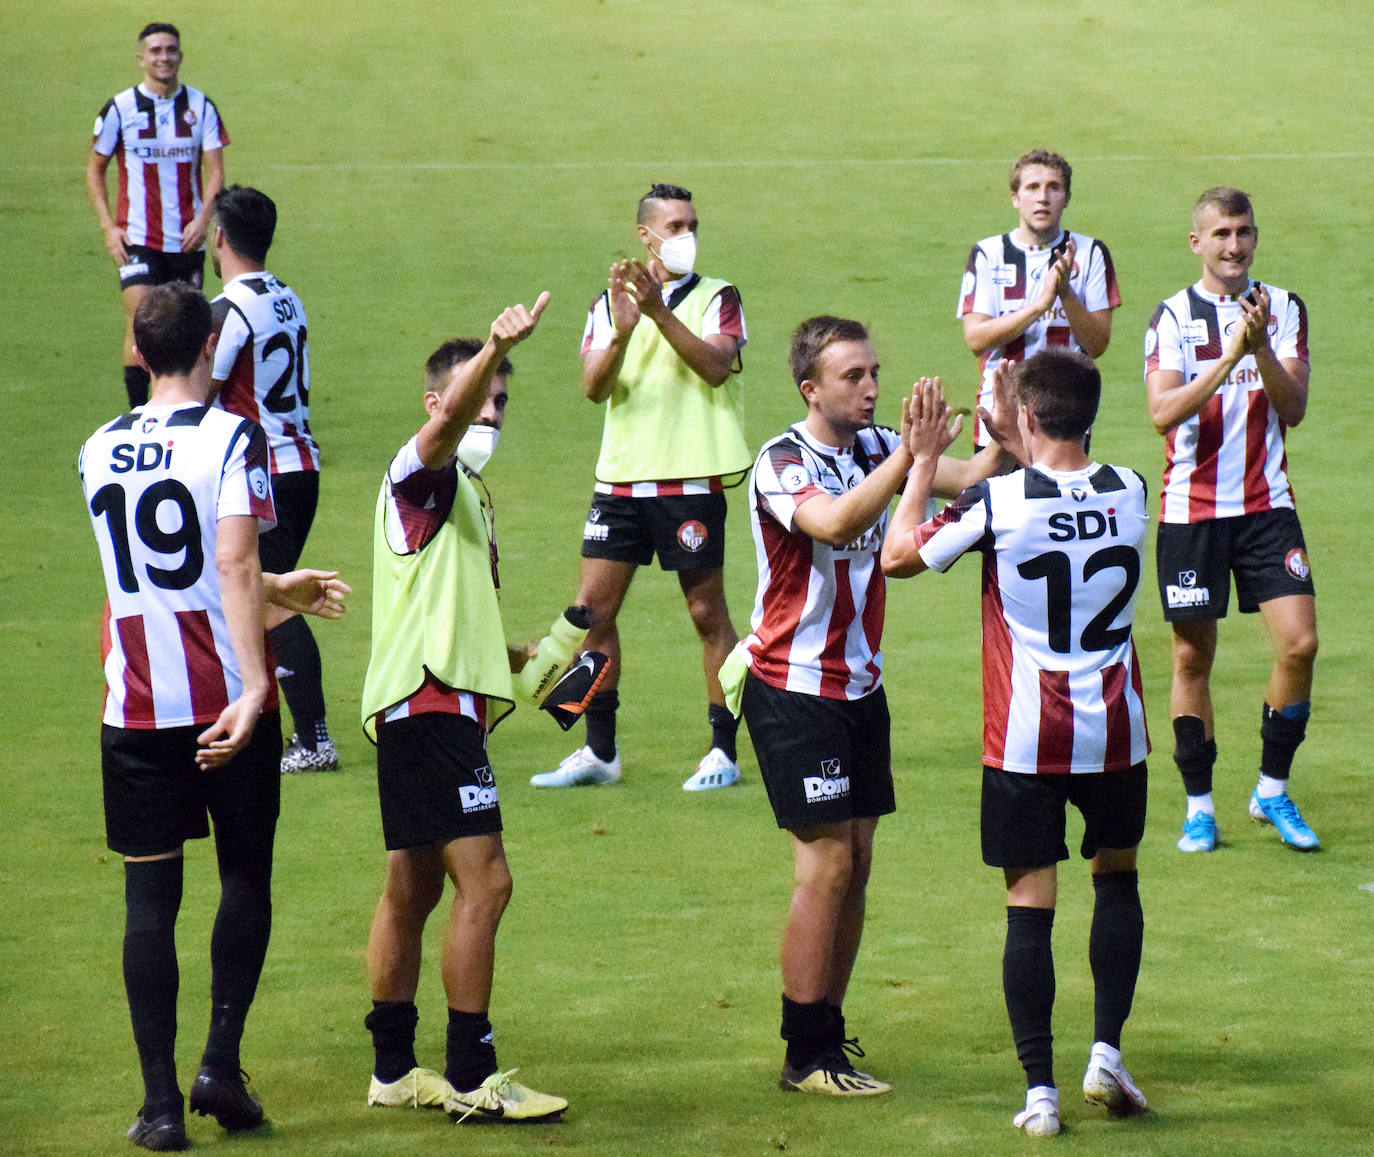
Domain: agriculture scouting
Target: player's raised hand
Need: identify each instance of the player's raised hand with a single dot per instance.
(1256, 310)
(1000, 420)
(1062, 269)
(516, 323)
(624, 308)
(644, 289)
(930, 431)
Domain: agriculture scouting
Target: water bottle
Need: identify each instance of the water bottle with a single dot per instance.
(552, 656)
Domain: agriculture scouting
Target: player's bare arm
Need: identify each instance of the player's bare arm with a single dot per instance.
(193, 235)
(115, 237)
(1285, 380)
(304, 592)
(1173, 401)
(838, 521)
(601, 368)
(241, 594)
(710, 358)
(983, 332)
(927, 435)
(454, 407)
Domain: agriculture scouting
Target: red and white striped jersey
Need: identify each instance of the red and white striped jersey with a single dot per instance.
(1228, 459)
(1061, 570)
(264, 363)
(725, 314)
(157, 481)
(418, 501)
(817, 625)
(157, 142)
(1002, 275)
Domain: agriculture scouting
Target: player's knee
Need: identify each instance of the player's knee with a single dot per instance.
(412, 896)
(1300, 650)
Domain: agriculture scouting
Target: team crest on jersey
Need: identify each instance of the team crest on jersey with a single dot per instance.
(258, 483)
(832, 783)
(148, 425)
(794, 478)
(1079, 494)
(189, 117)
(691, 535)
(1296, 564)
(138, 122)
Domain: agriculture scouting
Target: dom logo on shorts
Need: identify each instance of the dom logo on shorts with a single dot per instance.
(830, 784)
(1186, 592)
(594, 530)
(1296, 564)
(483, 796)
(691, 535)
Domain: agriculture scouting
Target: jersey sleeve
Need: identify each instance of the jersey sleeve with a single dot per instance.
(234, 334)
(597, 333)
(216, 134)
(1099, 283)
(105, 135)
(960, 527)
(1163, 343)
(782, 482)
(1292, 336)
(725, 315)
(976, 292)
(245, 482)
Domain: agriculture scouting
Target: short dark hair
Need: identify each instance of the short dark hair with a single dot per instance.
(1041, 157)
(659, 192)
(154, 29)
(248, 219)
(1062, 388)
(810, 339)
(1231, 201)
(455, 352)
(170, 327)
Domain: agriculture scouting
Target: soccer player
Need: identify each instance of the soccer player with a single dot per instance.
(163, 133)
(1226, 371)
(1063, 720)
(1039, 285)
(661, 350)
(176, 491)
(813, 695)
(262, 372)
(438, 681)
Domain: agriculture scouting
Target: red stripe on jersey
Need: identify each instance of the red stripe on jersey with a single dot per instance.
(122, 200)
(1139, 688)
(1014, 350)
(1055, 748)
(875, 602)
(1202, 485)
(1058, 335)
(1118, 747)
(204, 674)
(237, 394)
(834, 667)
(996, 669)
(1256, 491)
(782, 611)
(300, 445)
(138, 686)
(1113, 292)
(152, 205)
(731, 315)
(186, 197)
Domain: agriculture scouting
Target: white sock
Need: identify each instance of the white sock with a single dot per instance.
(1201, 803)
(1271, 788)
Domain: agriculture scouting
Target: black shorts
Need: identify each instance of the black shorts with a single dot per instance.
(1023, 815)
(823, 761)
(295, 495)
(434, 781)
(1195, 561)
(686, 530)
(153, 267)
(156, 797)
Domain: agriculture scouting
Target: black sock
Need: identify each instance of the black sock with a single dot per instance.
(1028, 985)
(1114, 951)
(1194, 753)
(807, 1029)
(1280, 735)
(297, 652)
(238, 943)
(152, 897)
(471, 1052)
(392, 1025)
(136, 382)
(723, 728)
(600, 715)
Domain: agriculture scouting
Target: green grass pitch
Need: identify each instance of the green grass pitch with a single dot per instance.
(433, 163)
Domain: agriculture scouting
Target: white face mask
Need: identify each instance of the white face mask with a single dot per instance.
(678, 254)
(477, 446)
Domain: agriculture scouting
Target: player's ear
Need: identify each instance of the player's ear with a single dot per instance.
(138, 360)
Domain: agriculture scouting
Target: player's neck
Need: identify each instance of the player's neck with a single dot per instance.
(159, 88)
(829, 434)
(231, 265)
(1064, 457)
(1225, 287)
(182, 389)
(1028, 238)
